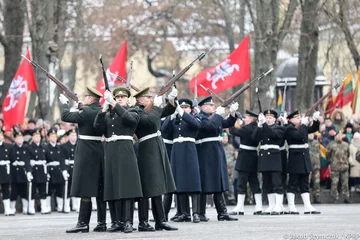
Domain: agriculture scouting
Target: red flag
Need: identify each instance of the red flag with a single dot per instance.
(116, 68)
(330, 105)
(14, 104)
(232, 71)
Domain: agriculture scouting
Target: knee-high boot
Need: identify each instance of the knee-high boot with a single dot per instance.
(159, 215)
(120, 213)
(143, 209)
(167, 204)
(115, 227)
(221, 208)
(184, 208)
(195, 198)
(84, 217)
(101, 216)
(202, 209)
(129, 215)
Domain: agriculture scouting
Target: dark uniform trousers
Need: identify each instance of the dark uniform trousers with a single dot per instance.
(56, 188)
(41, 187)
(5, 190)
(244, 178)
(272, 182)
(298, 180)
(18, 189)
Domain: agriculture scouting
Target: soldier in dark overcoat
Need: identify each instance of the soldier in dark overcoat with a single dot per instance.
(121, 166)
(247, 163)
(154, 166)
(211, 155)
(5, 174)
(299, 165)
(270, 136)
(184, 160)
(88, 173)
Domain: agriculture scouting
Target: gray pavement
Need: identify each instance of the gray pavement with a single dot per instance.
(338, 221)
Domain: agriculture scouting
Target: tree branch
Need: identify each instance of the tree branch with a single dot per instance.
(287, 22)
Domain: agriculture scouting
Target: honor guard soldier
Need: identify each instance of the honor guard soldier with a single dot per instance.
(270, 136)
(284, 164)
(39, 171)
(154, 166)
(184, 160)
(121, 167)
(88, 179)
(20, 172)
(57, 169)
(247, 164)
(69, 152)
(211, 155)
(299, 165)
(5, 174)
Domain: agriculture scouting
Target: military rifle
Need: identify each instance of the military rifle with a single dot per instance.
(196, 97)
(106, 83)
(259, 102)
(284, 98)
(117, 77)
(128, 79)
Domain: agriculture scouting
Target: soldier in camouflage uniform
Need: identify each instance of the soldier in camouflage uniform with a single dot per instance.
(230, 155)
(337, 153)
(314, 148)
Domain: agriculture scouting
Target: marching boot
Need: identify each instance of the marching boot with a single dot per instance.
(84, 217)
(114, 221)
(60, 204)
(24, 205)
(272, 199)
(167, 204)
(258, 204)
(278, 204)
(184, 205)
(239, 209)
(67, 205)
(187, 209)
(178, 209)
(44, 209)
(101, 216)
(31, 207)
(220, 206)
(159, 215)
(120, 213)
(94, 204)
(13, 207)
(291, 203)
(308, 208)
(129, 215)
(48, 204)
(195, 198)
(7, 209)
(143, 211)
(202, 215)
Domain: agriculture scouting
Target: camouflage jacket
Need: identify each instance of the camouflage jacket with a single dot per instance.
(314, 149)
(337, 153)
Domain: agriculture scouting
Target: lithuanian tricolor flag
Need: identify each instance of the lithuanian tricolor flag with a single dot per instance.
(355, 99)
(324, 164)
(279, 101)
(346, 93)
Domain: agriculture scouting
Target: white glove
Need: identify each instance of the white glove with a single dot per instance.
(173, 116)
(179, 109)
(158, 101)
(220, 110)
(48, 177)
(261, 119)
(316, 115)
(105, 106)
(283, 120)
(63, 99)
(241, 122)
(234, 107)
(305, 121)
(284, 114)
(197, 110)
(173, 94)
(108, 96)
(29, 176)
(65, 175)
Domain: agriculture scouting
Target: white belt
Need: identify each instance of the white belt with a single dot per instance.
(7, 163)
(269, 146)
(209, 139)
(54, 163)
(114, 138)
(282, 148)
(157, 134)
(39, 162)
(167, 141)
(184, 139)
(18, 163)
(86, 137)
(246, 147)
(298, 146)
(67, 161)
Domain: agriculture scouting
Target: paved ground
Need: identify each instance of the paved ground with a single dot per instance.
(336, 222)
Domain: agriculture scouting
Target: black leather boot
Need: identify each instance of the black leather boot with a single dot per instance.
(159, 215)
(84, 217)
(101, 216)
(167, 204)
(114, 221)
(120, 213)
(195, 199)
(129, 215)
(184, 208)
(202, 215)
(143, 209)
(221, 208)
(178, 209)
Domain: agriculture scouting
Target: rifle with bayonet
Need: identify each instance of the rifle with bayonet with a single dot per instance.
(259, 102)
(128, 79)
(123, 81)
(196, 97)
(106, 83)
(284, 98)
(172, 81)
(244, 88)
(68, 92)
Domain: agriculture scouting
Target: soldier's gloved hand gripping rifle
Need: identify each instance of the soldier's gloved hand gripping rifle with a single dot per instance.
(68, 92)
(106, 83)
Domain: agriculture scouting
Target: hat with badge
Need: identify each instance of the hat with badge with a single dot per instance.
(271, 113)
(36, 131)
(18, 134)
(250, 114)
(73, 130)
(121, 91)
(52, 131)
(184, 102)
(143, 93)
(206, 101)
(91, 91)
(294, 114)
